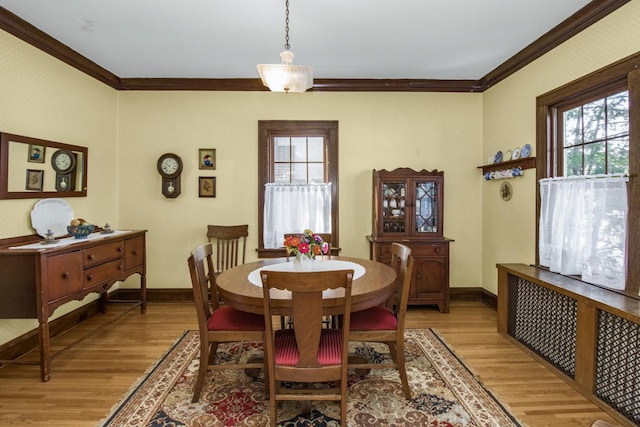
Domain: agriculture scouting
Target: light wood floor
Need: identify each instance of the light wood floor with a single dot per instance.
(94, 375)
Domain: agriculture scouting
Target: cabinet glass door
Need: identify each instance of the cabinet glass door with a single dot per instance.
(393, 207)
(426, 202)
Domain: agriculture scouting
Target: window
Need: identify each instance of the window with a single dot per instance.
(294, 153)
(584, 129)
(299, 160)
(593, 137)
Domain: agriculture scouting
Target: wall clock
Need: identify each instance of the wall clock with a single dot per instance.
(170, 168)
(64, 163)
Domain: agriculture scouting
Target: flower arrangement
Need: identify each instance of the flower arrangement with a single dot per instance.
(307, 244)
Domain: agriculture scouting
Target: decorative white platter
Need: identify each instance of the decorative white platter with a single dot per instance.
(51, 214)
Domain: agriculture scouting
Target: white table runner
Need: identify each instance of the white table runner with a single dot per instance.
(69, 240)
(319, 265)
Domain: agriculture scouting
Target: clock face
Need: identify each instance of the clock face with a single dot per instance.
(63, 161)
(169, 166)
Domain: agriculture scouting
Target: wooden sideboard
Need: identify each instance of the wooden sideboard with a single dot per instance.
(39, 278)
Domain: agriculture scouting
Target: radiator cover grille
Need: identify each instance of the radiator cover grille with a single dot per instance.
(618, 364)
(545, 322)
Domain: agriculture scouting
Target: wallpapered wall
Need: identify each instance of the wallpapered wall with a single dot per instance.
(126, 132)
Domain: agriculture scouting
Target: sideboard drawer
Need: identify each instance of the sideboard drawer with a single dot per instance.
(64, 273)
(103, 272)
(103, 253)
(134, 252)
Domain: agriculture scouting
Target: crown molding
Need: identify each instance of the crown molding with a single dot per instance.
(588, 15)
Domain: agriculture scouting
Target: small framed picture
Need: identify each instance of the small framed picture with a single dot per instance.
(34, 179)
(207, 186)
(207, 158)
(36, 153)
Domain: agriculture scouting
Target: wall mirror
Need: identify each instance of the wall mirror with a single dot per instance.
(32, 168)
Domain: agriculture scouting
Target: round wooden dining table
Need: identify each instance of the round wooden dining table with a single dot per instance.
(373, 284)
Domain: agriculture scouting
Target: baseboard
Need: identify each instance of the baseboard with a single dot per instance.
(29, 341)
(474, 294)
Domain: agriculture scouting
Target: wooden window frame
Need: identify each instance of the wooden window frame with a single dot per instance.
(269, 129)
(622, 74)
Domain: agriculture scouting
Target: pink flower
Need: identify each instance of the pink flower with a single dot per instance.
(303, 247)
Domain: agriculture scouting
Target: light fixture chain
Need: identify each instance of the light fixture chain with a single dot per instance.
(286, 26)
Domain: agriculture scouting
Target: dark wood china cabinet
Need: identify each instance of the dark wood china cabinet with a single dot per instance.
(408, 209)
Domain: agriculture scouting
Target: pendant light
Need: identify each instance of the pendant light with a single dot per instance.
(286, 77)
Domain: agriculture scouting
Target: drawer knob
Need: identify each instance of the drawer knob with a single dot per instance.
(66, 275)
(436, 250)
(119, 249)
(91, 257)
(120, 267)
(90, 277)
(134, 252)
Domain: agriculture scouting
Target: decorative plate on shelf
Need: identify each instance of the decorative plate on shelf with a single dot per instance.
(526, 150)
(498, 158)
(516, 153)
(507, 156)
(51, 214)
(491, 159)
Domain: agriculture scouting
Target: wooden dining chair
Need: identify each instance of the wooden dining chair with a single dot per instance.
(385, 323)
(218, 324)
(307, 353)
(285, 321)
(230, 245)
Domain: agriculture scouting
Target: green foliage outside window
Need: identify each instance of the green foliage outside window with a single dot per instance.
(596, 137)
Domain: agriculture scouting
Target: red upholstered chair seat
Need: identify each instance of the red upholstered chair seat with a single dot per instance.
(286, 349)
(374, 318)
(229, 319)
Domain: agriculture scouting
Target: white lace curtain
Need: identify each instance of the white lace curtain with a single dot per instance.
(583, 227)
(292, 208)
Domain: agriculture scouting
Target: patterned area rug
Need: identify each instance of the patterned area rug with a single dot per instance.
(445, 392)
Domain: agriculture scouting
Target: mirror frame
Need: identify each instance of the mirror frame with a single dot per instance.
(5, 138)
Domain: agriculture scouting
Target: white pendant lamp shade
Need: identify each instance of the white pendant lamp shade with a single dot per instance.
(286, 77)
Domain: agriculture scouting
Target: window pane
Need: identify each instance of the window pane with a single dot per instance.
(618, 114)
(594, 123)
(619, 155)
(316, 149)
(572, 127)
(299, 173)
(281, 173)
(594, 158)
(299, 149)
(281, 151)
(316, 172)
(573, 161)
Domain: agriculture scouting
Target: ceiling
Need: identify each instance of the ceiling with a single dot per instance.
(341, 39)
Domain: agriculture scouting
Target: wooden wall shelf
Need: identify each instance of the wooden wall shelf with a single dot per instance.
(526, 163)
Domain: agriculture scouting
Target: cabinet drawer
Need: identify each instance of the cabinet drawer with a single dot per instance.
(134, 252)
(103, 253)
(104, 272)
(64, 273)
(384, 250)
(428, 250)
